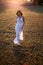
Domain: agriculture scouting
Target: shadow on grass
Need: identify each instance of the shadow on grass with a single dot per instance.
(20, 55)
(34, 8)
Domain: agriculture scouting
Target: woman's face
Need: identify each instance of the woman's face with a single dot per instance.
(19, 14)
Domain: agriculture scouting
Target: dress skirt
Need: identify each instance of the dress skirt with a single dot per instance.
(19, 33)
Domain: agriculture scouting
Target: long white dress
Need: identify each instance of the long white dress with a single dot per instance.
(19, 30)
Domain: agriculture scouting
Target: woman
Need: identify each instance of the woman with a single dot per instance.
(19, 27)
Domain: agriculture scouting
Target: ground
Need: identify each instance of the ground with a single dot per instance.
(31, 50)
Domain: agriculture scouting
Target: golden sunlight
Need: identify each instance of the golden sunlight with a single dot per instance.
(13, 3)
(28, 0)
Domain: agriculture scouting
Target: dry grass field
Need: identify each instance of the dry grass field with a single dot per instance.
(31, 50)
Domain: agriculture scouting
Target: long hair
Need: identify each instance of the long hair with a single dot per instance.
(19, 12)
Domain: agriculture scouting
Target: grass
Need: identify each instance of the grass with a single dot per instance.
(31, 50)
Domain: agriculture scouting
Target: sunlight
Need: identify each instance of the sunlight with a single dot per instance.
(14, 2)
(28, 0)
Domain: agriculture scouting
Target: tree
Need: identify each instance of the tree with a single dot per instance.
(37, 1)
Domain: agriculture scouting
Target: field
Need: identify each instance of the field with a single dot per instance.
(31, 50)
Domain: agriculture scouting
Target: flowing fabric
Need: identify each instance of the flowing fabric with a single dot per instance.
(19, 31)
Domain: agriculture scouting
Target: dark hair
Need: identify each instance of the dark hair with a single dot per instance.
(19, 12)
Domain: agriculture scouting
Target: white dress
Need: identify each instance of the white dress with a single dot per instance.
(19, 30)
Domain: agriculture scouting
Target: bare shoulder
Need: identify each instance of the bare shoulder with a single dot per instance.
(16, 17)
(23, 17)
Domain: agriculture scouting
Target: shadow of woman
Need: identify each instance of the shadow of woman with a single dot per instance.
(20, 55)
(28, 55)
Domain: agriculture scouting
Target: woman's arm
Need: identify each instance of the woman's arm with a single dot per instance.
(23, 21)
